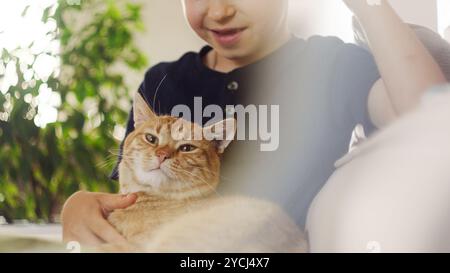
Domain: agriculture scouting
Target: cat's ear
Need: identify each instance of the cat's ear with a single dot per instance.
(222, 133)
(141, 110)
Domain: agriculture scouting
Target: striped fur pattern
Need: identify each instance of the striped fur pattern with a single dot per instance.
(178, 209)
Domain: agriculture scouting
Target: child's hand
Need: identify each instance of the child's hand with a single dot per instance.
(84, 217)
(406, 67)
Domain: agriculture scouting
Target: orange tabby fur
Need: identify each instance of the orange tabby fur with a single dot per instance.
(177, 207)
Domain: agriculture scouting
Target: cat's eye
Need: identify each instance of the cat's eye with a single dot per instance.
(187, 148)
(151, 139)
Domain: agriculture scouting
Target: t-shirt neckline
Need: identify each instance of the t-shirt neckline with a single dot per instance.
(284, 49)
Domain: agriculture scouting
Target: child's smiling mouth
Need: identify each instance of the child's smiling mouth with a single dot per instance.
(227, 37)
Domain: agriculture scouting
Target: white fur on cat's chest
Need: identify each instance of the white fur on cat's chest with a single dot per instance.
(153, 178)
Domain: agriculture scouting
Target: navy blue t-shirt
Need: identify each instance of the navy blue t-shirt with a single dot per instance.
(321, 86)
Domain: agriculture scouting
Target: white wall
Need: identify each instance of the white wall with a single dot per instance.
(321, 17)
(331, 17)
(167, 34)
(421, 12)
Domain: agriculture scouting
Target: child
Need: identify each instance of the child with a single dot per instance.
(323, 87)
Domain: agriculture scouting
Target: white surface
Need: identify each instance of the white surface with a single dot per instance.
(51, 232)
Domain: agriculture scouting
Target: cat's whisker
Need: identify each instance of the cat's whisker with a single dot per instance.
(132, 157)
(186, 172)
(199, 178)
(208, 170)
(113, 151)
(111, 158)
(211, 172)
(199, 167)
(107, 162)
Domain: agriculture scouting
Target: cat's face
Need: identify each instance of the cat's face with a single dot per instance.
(163, 155)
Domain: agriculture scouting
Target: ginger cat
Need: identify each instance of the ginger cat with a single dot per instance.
(175, 173)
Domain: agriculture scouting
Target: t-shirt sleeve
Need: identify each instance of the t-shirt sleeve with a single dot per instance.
(147, 89)
(354, 75)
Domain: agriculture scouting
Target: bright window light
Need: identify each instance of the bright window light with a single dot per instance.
(443, 15)
(37, 62)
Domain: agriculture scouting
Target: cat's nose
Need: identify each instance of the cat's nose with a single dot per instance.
(163, 154)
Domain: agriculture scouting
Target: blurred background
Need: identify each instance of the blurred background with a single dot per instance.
(68, 69)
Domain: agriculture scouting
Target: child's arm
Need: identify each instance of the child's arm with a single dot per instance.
(407, 69)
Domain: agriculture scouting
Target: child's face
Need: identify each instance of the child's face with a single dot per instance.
(238, 28)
